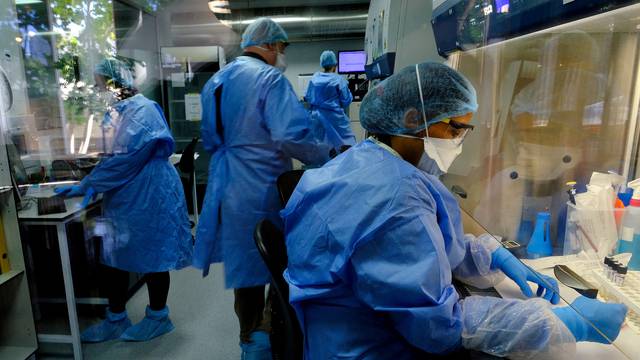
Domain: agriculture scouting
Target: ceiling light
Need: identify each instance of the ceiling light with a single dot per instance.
(27, 2)
(219, 6)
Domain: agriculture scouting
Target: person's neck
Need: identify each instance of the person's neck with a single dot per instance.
(405, 149)
(255, 55)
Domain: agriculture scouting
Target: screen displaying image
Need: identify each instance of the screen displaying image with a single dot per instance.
(502, 6)
(351, 61)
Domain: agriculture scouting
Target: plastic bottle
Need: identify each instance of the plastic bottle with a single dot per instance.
(540, 243)
(632, 221)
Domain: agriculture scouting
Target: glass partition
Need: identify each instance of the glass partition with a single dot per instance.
(64, 120)
(555, 107)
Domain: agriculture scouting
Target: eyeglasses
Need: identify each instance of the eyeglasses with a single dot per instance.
(457, 129)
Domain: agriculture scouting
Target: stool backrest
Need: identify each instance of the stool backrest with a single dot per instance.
(271, 245)
(286, 183)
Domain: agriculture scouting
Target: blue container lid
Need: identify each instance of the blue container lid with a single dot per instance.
(543, 215)
(625, 197)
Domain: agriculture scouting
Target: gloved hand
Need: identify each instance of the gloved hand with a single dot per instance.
(75, 191)
(69, 190)
(88, 197)
(518, 272)
(590, 314)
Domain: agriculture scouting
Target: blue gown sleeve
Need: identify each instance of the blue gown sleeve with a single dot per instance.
(210, 139)
(117, 170)
(475, 268)
(345, 95)
(291, 126)
(517, 329)
(403, 272)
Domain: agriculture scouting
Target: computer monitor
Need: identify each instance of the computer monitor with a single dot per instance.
(502, 6)
(351, 62)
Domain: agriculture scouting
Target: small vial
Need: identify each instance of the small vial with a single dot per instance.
(613, 271)
(621, 275)
(608, 261)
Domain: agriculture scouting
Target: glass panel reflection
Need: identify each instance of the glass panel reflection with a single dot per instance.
(555, 107)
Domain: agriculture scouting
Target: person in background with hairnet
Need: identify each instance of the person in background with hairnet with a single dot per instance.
(253, 124)
(328, 95)
(371, 258)
(146, 227)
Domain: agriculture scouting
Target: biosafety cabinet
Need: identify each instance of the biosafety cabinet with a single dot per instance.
(558, 92)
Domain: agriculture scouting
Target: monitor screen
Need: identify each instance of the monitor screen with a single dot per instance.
(502, 6)
(351, 61)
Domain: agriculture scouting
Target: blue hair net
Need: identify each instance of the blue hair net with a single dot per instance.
(446, 93)
(263, 31)
(328, 59)
(115, 70)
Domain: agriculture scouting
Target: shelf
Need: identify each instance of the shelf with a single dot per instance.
(4, 278)
(16, 352)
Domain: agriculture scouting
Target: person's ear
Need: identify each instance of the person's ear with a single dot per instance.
(413, 119)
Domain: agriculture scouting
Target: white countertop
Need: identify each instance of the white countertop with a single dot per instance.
(30, 210)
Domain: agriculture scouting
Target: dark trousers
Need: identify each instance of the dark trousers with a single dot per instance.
(118, 286)
(253, 311)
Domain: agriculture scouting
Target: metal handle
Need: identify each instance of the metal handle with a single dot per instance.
(458, 190)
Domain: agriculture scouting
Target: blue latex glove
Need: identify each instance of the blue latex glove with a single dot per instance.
(76, 191)
(88, 197)
(521, 274)
(69, 190)
(590, 314)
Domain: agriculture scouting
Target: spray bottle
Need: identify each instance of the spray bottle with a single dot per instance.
(632, 221)
(540, 243)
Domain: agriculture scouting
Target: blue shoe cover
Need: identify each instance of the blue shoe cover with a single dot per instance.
(108, 329)
(154, 324)
(258, 349)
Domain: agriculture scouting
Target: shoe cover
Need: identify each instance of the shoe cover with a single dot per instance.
(154, 324)
(258, 349)
(108, 329)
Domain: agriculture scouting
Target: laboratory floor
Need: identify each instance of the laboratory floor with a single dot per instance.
(202, 311)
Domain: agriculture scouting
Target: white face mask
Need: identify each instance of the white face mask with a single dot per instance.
(429, 166)
(281, 62)
(107, 98)
(281, 59)
(442, 151)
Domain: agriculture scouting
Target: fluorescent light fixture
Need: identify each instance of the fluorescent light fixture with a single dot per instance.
(218, 10)
(27, 2)
(295, 19)
(219, 6)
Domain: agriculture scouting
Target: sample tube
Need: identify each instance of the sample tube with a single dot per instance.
(614, 270)
(621, 275)
(608, 261)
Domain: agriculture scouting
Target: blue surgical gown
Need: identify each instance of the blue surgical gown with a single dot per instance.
(144, 206)
(252, 131)
(328, 94)
(372, 244)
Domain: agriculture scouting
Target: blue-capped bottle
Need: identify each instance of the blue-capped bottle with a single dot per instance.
(540, 243)
(632, 219)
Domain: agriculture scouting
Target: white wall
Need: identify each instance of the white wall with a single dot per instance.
(304, 58)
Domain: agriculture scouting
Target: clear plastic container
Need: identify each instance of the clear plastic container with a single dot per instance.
(591, 231)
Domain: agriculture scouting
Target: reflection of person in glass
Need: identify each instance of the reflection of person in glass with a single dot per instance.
(146, 226)
(549, 117)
